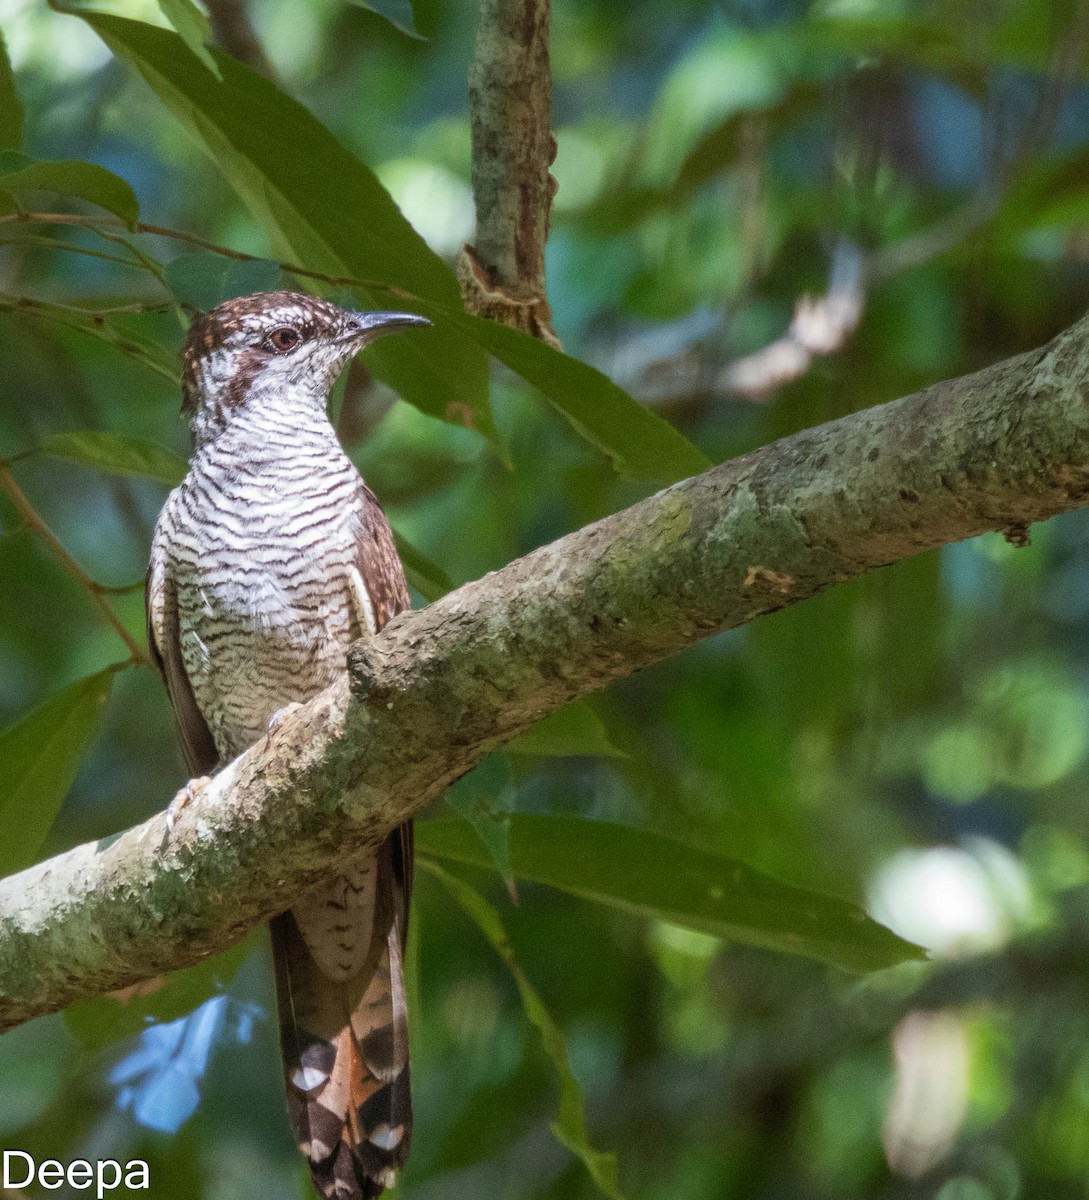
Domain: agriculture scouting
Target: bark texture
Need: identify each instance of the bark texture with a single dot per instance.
(438, 689)
(502, 275)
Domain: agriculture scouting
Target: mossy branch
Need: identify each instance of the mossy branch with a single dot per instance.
(440, 688)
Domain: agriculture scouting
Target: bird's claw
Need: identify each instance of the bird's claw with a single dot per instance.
(278, 718)
(184, 796)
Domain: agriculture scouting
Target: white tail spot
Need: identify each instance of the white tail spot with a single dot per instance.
(387, 1137)
(308, 1079)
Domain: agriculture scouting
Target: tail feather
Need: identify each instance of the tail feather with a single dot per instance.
(344, 1029)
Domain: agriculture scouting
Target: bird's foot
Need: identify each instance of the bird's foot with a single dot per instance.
(185, 796)
(278, 718)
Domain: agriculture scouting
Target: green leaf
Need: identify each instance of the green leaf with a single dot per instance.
(39, 756)
(327, 209)
(570, 1125)
(11, 109)
(485, 798)
(685, 885)
(124, 333)
(203, 279)
(84, 180)
(573, 729)
(399, 13)
(637, 440)
(193, 27)
(321, 205)
(429, 580)
(117, 454)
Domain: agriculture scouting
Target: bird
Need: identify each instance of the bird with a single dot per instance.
(267, 561)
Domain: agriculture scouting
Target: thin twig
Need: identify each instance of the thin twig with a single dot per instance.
(152, 265)
(75, 310)
(192, 239)
(820, 327)
(920, 248)
(96, 326)
(48, 243)
(95, 590)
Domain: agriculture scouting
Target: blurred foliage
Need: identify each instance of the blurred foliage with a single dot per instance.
(646, 931)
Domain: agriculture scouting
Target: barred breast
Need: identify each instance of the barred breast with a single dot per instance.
(262, 554)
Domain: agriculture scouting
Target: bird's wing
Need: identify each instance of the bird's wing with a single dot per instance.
(164, 642)
(377, 565)
(338, 956)
(379, 569)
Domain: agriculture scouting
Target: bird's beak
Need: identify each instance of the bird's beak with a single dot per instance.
(369, 326)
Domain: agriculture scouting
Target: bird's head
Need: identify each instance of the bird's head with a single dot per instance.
(273, 346)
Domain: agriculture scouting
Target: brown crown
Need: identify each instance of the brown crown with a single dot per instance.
(258, 313)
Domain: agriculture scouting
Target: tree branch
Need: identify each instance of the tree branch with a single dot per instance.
(502, 275)
(440, 688)
(820, 327)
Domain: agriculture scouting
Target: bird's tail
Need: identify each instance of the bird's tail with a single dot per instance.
(344, 1025)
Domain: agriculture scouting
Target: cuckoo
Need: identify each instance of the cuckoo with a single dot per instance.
(268, 560)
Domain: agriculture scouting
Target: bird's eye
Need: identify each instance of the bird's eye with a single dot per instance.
(284, 339)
